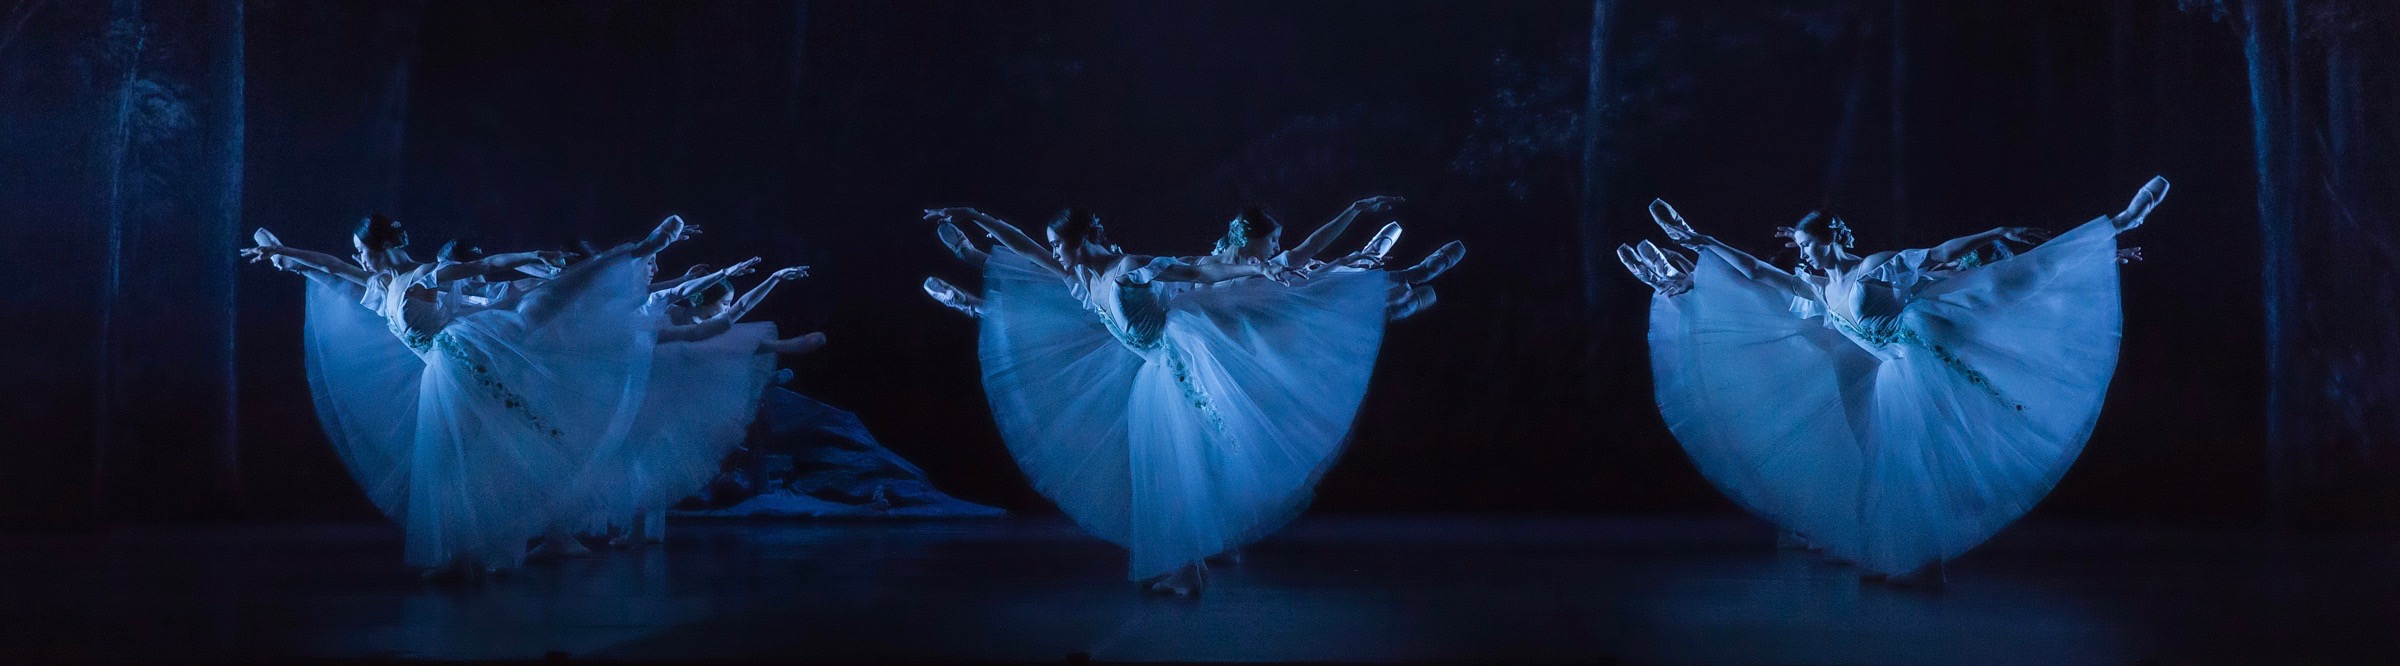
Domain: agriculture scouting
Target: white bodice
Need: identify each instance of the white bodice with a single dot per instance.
(413, 310)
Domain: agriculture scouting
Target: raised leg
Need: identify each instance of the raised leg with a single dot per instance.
(1434, 264)
(2152, 192)
(794, 345)
(951, 296)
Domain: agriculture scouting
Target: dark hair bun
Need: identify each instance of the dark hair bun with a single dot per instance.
(380, 232)
(1076, 223)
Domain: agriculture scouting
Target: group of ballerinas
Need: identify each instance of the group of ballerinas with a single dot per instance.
(1890, 410)
(485, 402)
(1180, 406)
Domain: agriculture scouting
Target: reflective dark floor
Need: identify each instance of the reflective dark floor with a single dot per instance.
(1331, 588)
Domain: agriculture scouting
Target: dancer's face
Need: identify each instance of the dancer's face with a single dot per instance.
(369, 258)
(1818, 250)
(1068, 251)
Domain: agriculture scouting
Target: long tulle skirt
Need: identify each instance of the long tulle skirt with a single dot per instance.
(702, 397)
(1203, 442)
(1918, 450)
(482, 438)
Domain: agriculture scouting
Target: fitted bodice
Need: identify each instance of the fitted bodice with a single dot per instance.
(1128, 301)
(412, 311)
(1866, 307)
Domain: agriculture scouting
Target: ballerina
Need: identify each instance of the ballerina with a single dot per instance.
(1176, 422)
(1892, 410)
(458, 419)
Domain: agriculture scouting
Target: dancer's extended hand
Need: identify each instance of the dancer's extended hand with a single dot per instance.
(1375, 204)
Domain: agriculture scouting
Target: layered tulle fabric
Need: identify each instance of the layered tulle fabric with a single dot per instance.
(702, 397)
(364, 382)
(492, 439)
(1900, 440)
(1178, 423)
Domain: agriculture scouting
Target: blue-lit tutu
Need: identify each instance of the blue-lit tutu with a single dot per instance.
(481, 435)
(1177, 423)
(1899, 439)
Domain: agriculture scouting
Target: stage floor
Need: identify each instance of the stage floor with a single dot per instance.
(1330, 588)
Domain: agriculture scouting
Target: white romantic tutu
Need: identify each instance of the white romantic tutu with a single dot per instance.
(1184, 436)
(478, 437)
(702, 397)
(1902, 441)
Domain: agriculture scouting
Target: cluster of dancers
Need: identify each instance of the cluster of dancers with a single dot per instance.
(1890, 410)
(491, 402)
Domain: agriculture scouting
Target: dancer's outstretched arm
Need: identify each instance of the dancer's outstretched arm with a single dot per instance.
(1956, 248)
(1324, 235)
(696, 271)
(693, 287)
(1181, 271)
(1750, 267)
(741, 307)
(1008, 235)
(695, 332)
(501, 264)
(289, 258)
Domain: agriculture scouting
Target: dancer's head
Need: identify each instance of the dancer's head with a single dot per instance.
(1822, 239)
(1075, 235)
(1252, 235)
(711, 301)
(458, 252)
(378, 241)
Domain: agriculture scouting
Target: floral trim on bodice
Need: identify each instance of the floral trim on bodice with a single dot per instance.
(460, 354)
(1885, 332)
(1149, 335)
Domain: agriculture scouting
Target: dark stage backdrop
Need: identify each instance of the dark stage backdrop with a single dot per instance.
(812, 133)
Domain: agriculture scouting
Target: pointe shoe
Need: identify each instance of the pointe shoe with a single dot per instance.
(1381, 245)
(2143, 201)
(1185, 582)
(1435, 264)
(668, 231)
(1417, 300)
(809, 343)
(954, 239)
(558, 547)
(950, 296)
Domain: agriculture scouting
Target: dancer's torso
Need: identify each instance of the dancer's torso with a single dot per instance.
(1866, 306)
(413, 311)
(1134, 309)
